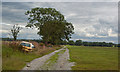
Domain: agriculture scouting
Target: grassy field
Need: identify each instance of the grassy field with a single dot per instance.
(94, 58)
(13, 59)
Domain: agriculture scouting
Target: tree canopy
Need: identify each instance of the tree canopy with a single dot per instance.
(78, 42)
(51, 25)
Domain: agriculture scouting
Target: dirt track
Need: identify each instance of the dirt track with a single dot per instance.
(43, 63)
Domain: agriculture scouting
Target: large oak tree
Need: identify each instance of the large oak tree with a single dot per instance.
(51, 25)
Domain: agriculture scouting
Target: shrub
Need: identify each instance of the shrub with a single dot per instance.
(49, 45)
(41, 44)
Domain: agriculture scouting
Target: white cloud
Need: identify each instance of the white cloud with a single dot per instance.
(89, 35)
(3, 31)
(70, 15)
(110, 33)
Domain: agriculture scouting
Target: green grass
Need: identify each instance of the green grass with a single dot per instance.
(16, 60)
(94, 58)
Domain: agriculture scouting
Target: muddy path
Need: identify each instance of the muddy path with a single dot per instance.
(57, 60)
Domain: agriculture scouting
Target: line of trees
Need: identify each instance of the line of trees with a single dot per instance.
(71, 42)
(84, 43)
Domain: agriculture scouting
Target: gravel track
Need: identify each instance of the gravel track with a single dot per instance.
(62, 62)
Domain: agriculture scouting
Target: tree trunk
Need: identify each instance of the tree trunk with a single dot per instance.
(15, 38)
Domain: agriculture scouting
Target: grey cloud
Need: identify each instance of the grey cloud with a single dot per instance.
(94, 18)
(25, 33)
(60, 1)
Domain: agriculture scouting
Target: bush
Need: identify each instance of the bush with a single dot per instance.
(49, 45)
(41, 44)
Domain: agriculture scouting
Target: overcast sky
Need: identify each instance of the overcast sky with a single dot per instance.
(93, 21)
(60, 0)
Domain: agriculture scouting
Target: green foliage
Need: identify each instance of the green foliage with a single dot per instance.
(41, 15)
(64, 42)
(71, 42)
(41, 44)
(55, 32)
(38, 16)
(51, 25)
(78, 42)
